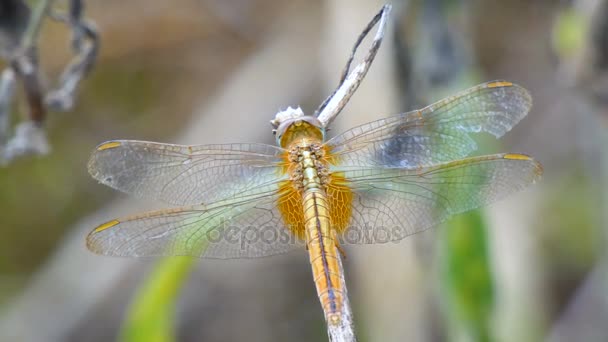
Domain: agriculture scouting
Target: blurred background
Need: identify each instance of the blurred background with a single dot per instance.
(530, 268)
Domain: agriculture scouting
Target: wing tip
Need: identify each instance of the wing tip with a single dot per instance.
(95, 163)
(538, 170)
(538, 167)
(92, 237)
(516, 87)
(92, 246)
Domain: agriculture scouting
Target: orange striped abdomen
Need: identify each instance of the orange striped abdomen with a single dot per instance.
(322, 251)
(316, 206)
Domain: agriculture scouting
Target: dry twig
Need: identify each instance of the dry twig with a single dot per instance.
(350, 80)
(20, 48)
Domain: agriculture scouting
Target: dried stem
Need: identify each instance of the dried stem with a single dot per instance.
(30, 137)
(32, 31)
(350, 81)
(25, 61)
(345, 331)
(85, 43)
(7, 90)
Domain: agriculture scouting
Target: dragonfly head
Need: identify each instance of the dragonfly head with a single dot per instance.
(291, 125)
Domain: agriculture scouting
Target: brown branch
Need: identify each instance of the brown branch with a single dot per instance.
(25, 66)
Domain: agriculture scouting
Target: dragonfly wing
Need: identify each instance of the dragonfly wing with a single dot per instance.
(390, 204)
(247, 227)
(183, 175)
(437, 133)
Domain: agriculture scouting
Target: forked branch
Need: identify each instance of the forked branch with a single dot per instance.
(22, 54)
(350, 80)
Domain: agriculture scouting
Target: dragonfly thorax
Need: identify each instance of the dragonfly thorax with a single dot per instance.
(293, 130)
(309, 168)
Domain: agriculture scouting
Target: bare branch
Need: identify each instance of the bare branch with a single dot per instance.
(23, 58)
(29, 136)
(30, 37)
(26, 67)
(345, 331)
(29, 139)
(7, 90)
(85, 43)
(349, 82)
(25, 62)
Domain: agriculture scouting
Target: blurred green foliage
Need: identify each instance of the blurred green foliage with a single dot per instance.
(466, 278)
(569, 32)
(151, 314)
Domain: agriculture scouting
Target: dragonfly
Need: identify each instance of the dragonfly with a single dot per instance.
(374, 183)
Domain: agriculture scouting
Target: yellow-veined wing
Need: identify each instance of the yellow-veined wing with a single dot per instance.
(230, 192)
(437, 133)
(389, 204)
(246, 226)
(184, 175)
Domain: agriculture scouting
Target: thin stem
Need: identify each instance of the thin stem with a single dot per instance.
(29, 136)
(34, 23)
(25, 62)
(7, 90)
(345, 331)
(350, 80)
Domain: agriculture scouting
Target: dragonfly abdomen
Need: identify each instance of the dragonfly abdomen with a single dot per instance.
(310, 182)
(320, 238)
(322, 252)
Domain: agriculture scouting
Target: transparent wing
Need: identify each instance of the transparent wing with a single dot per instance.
(390, 204)
(437, 133)
(183, 175)
(246, 227)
